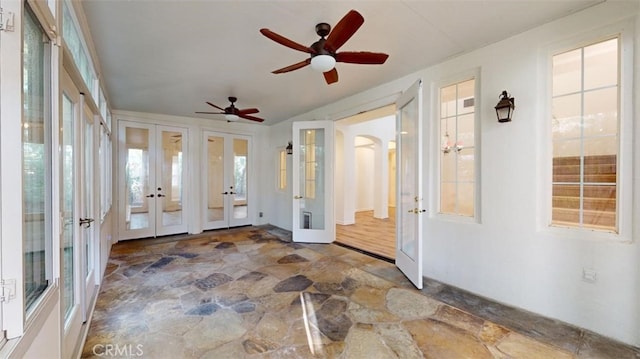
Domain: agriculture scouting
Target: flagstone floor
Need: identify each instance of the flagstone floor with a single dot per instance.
(247, 293)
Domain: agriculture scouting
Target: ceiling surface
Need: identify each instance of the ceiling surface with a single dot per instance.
(171, 56)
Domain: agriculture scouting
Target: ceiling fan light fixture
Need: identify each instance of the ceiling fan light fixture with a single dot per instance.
(323, 63)
(231, 117)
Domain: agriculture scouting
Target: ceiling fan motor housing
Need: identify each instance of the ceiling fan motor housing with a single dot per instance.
(323, 29)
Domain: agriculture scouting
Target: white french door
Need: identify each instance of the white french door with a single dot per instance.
(227, 201)
(153, 163)
(88, 243)
(409, 210)
(71, 250)
(313, 214)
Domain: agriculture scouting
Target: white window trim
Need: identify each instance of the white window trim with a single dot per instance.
(625, 31)
(434, 205)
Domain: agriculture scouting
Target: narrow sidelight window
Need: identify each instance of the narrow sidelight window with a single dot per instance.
(585, 125)
(457, 149)
(282, 170)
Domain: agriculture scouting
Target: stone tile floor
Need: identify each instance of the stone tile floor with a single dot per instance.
(247, 293)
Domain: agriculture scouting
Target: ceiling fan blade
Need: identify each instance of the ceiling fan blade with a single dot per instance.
(286, 42)
(344, 29)
(218, 107)
(252, 118)
(362, 57)
(211, 113)
(296, 66)
(331, 76)
(247, 111)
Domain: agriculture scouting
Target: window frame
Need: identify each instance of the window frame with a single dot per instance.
(624, 199)
(18, 321)
(470, 74)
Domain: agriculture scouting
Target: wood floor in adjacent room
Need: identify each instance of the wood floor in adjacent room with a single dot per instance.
(374, 235)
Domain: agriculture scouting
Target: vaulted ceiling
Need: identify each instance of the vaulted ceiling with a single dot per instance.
(172, 56)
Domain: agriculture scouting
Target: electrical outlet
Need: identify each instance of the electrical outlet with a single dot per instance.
(589, 275)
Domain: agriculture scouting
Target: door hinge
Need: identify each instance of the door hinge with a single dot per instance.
(6, 20)
(8, 290)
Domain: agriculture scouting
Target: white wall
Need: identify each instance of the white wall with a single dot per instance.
(279, 204)
(510, 255)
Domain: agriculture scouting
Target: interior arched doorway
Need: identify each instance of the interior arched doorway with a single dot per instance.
(365, 182)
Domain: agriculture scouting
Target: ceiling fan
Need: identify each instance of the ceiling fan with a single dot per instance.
(232, 113)
(324, 53)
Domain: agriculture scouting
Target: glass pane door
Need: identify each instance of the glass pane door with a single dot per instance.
(169, 181)
(215, 175)
(227, 180)
(136, 167)
(409, 180)
(313, 182)
(67, 203)
(72, 250)
(87, 212)
(152, 180)
(239, 187)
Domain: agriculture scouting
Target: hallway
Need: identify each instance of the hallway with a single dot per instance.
(245, 293)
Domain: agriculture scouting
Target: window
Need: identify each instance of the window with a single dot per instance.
(73, 38)
(105, 171)
(457, 149)
(282, 169)
(36, 161)
(240, 176)
(176, 177)
(309, 148)
(585, 126)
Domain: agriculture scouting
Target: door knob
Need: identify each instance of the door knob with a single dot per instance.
(149, 196)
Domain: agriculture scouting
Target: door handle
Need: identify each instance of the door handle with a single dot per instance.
(232, 193)
(224, 193)
(86, 221)
(161, 195)
(149, 196)
(298, 197)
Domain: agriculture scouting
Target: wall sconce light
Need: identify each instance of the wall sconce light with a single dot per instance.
(505, 107)
(290, 148)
